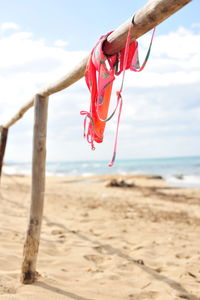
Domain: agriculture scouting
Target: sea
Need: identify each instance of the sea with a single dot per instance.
(177, 171)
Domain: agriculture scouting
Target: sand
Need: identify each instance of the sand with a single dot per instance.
(103, 243)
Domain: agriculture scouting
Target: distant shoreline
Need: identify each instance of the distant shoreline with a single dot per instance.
(176, 182)
(181, 172)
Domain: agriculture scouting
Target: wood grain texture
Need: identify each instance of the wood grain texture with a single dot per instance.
(31, 246)
(151, 15)
(3, 141)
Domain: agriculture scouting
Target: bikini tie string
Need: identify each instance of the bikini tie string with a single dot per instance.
(99, 75)
(119, 96)
(90, 134)
(119, 100)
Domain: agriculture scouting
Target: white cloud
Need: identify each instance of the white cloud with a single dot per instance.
(195, 25)
(60, 43)
(180, 44)
(9, 26)
(174, 60)
(160, 104)
(27, 65)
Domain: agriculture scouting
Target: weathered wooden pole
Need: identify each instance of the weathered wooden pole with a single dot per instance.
(3, 140)
(152, 14)
(31, 245)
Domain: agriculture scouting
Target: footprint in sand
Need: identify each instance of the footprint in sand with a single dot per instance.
(144, 296)
(56, 232)
(105, 249)
(128, 266)
(182, 255)
(5, 289)
(114, 277)
(97, 259)
(100, 249)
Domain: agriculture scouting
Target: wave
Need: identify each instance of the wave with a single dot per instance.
(16, 170)
(190, 181)
(187, 169)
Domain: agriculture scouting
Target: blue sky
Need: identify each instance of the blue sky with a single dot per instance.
(81, 23)
(41, 40)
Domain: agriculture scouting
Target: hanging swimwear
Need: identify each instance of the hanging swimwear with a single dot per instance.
(99, 75)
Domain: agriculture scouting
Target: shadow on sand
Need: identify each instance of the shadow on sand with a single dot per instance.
(109, 250)
(60, 291)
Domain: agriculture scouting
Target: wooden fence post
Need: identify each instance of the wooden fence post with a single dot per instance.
(31, 245)
(3, 140)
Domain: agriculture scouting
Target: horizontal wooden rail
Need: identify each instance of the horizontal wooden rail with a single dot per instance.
(152, 14)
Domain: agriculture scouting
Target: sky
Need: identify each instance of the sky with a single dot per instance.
(40, 41)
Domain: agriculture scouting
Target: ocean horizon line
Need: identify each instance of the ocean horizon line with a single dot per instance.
(106, 160)
(183, 170)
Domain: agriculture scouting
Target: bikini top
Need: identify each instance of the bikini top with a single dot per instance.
(99, 75)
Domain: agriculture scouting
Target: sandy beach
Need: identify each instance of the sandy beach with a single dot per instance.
(103, 243)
